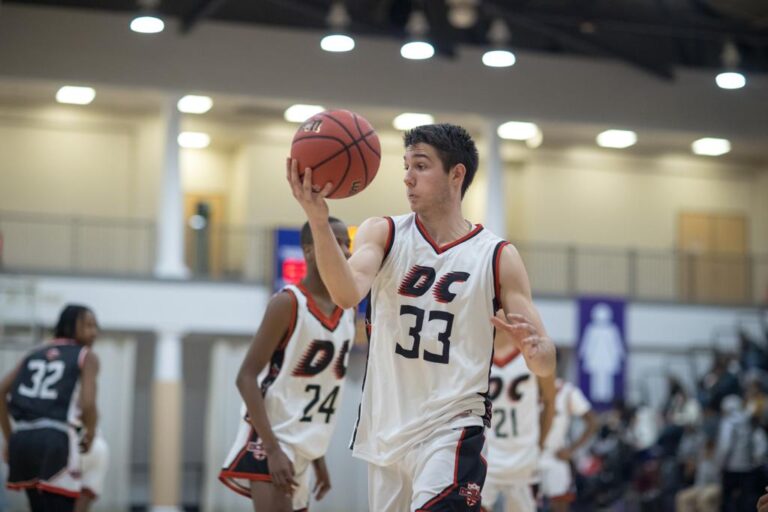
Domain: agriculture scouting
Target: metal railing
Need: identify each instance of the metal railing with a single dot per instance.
(80, 245)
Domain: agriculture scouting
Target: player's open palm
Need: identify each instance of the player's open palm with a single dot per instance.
(281, 471)
(311, 200)
(518, 330)
(322, 478)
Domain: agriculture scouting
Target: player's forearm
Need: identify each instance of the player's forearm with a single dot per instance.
(5, 421)
(589, 431)
(257, 410)
(546, 417)
(334, 268)
(90, 417)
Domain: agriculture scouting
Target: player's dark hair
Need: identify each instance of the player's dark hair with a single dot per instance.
(67, 324)
(453, 144)
(306, 232)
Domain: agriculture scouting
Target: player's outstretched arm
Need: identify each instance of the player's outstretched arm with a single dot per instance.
(275, 328)
(547, 394)
(90, 416)
(518, 321)
(347, 281)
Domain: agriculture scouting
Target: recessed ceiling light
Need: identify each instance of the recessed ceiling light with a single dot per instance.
(194, 140)
(191, 104)
(300, 113)
(337, 43)
(409, 120)
(710, 146)
(730, 80)
(516, 130)
(499, 58)
(417, 50)
(75, 95)
(147, 24)
(617, 139)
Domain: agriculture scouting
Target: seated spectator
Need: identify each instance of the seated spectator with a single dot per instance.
(704, 494)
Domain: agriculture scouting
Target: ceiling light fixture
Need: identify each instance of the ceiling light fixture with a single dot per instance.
(418, 48)
(710, 146)
(617, 139)
(500, 56)
(408, 120)
(75, 95)
(517, 130)
(730, 78)
(338, 40)
(194, 140)
(192, 104)
(299, 113)
(147, 21)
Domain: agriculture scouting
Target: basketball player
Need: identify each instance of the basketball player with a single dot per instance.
(436, 281)
(50, 393)
(523, 409)
(94, 470)
(303, 341)
(556, 475)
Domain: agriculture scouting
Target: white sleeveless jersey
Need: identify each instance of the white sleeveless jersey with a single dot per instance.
(513, 439)
(431, 339)
(569, 402)
(303, 385)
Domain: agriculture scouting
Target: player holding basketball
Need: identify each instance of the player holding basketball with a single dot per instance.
(435, 281)
(523, 410)
(288, 418)
(556, 474)
(50, 394)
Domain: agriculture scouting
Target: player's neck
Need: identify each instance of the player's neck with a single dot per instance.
(445, 226)
(314, 285)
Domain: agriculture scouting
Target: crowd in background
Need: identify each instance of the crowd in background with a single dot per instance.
(705, 450)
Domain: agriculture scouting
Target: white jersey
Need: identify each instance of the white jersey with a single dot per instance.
(303, 384)
(431, 339)
(569, 402)
(513, 439)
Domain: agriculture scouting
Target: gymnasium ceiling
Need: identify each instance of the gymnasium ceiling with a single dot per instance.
(657, 36)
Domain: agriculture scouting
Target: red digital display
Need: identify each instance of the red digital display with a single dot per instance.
(294, 270)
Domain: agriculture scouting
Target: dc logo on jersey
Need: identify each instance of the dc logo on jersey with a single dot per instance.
(52, 354)
(420, 279)
(257, 449)
(319, 356)
(471, 493)
(495, 386)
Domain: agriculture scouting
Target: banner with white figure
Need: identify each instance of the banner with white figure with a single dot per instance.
(602, 350)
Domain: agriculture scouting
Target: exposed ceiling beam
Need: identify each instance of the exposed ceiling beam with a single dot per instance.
(578, 41)
(201, 10)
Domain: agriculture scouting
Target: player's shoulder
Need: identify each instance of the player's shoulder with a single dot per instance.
(284, 301)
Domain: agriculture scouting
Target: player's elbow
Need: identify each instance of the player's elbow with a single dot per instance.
(345, 300)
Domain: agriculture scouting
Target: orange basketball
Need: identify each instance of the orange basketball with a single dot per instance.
(341, 147)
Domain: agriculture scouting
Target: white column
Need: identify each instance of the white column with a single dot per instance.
(170, 214)
(495, 211)
(165, 448)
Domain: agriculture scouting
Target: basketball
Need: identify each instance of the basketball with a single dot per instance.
(341, 147)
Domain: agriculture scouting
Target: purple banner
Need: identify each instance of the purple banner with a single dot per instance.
(602, 350)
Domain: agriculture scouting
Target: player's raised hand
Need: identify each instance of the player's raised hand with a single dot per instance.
(322, 478)
(309, 197)
(519, 331)
(762, 503)
(281, 471)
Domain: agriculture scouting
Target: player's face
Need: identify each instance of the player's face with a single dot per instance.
(86, 329)
(426, 182)
(342, 237)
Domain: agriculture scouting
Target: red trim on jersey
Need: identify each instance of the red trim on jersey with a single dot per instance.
(502, 362)
(439, 249)
(568, 497)
(57, 490)
(390, 238)
(448, 490)
(496, 271)
(20, 486)
(227, 478)
(329, 322)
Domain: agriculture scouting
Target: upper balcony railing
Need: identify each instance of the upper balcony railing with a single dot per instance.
(119, 247)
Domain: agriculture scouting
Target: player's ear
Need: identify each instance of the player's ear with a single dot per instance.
(309, 252)
(458, 172)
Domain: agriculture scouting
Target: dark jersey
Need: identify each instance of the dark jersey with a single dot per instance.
(48, 383)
